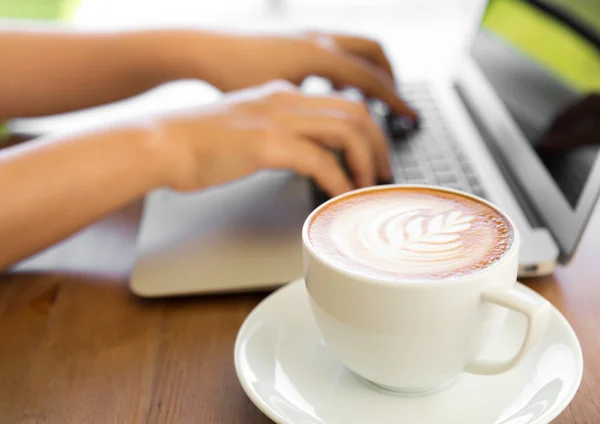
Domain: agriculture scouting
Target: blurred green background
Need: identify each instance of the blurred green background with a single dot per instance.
(555, 46)
(53, 10)
(38, 9)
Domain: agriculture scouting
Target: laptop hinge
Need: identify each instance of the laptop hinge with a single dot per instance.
(521, 197)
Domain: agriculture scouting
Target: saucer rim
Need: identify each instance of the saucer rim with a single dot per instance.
(279, 419)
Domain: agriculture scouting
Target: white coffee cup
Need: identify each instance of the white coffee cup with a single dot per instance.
(416, 338)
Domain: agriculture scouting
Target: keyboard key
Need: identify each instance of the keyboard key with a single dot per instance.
(436, 155)
(479, 191)
(417, 181)
(439, 166)
(431, 146)
(399, 178)
(407, 161)
(456, 186)
(472, 179)
(467, 168)
(460, 156)
(444, 145)
(446, 178)
(414, 174)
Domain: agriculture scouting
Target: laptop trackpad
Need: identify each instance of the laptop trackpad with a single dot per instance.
(240, 236)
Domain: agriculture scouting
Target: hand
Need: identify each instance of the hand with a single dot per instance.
(274, 126)
(577, 126)
(239, 62)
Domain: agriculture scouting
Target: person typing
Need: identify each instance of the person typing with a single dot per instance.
(56, 185)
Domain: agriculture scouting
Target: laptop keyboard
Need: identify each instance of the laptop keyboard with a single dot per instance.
(431, 155)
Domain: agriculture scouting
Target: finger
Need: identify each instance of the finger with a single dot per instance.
(367, 49)
(359, 113)
(338, 133)
(305, 157)
(344, 70)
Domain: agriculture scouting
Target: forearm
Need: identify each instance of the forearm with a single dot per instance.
(51, 188)
(49, 71)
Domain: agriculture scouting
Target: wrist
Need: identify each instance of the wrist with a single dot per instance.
(150, 152)
(182, 54)
(155, 56)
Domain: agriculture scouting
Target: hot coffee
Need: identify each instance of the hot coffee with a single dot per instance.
(410, 233)
(407, 284)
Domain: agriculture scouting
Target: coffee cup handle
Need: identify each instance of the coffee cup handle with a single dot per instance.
(537, 313)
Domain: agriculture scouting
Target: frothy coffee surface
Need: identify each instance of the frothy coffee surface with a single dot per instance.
(410, 234)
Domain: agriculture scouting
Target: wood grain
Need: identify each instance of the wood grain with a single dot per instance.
(76, 346)
(81, 349)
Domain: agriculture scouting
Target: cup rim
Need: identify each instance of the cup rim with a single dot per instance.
(412, 282)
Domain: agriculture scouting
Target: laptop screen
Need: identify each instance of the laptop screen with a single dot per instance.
(542, 57)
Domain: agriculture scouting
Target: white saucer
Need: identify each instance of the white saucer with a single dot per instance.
(287, 371)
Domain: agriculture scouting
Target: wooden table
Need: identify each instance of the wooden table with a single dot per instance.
(77, 346)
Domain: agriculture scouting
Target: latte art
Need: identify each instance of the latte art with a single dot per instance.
(404, 233)
(417, 235)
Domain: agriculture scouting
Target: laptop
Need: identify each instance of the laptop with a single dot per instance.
(479, 133)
